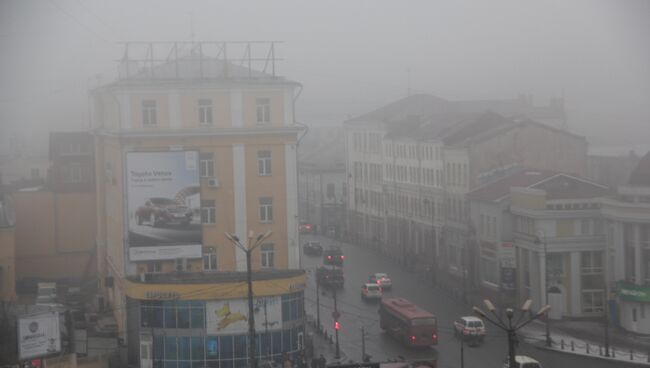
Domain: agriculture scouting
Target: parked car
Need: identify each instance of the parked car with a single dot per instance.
(330, 277)
(159, 211)
(333, 256)
(371, 291)
(381, 279)
(305, 228)
(312, 248)
(522, 361)
(470, 328)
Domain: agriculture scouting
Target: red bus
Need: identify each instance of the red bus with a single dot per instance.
(408, 323)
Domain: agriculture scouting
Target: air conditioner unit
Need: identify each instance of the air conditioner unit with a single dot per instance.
(213, 182)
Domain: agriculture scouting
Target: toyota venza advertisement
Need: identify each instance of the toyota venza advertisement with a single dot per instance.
(163, 196)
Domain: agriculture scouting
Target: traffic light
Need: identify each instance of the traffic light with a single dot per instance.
(337, 325)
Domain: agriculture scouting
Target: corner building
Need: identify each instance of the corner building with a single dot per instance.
(187, 149)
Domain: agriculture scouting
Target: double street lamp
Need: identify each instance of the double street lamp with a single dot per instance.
(253, 242)
(510, 328)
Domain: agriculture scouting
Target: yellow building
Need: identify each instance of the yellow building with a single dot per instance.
(7, 249)
(186, 150)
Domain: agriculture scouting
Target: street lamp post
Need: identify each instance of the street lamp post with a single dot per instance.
(252, 357)
(549, 342)
(431, 205)
(510, 328)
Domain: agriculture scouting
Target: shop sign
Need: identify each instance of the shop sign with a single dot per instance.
(38, 335)
(229, 317)
(633, 293)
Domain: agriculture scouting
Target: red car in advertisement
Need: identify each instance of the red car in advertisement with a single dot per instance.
(159, 212)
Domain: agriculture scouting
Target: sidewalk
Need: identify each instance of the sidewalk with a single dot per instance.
(322, 344)
(535, 333)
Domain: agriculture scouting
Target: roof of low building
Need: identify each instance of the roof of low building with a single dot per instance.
(556, 185)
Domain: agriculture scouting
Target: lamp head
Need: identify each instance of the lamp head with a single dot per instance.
(510, 313)
(489, 305)
(478, 311)
(543, 310)
(526, 305)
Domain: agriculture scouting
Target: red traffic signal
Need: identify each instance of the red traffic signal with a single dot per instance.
(337, 325)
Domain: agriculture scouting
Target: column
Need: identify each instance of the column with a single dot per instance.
(543, 278)
(575, 289)
(638, 272)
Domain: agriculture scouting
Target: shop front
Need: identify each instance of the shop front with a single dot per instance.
(634, 307)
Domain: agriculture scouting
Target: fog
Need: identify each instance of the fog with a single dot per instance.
(351, 56)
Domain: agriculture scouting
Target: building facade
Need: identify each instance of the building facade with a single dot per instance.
(627, 261)
(410, 165)
(187, 150)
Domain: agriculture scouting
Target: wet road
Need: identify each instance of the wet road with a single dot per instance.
(355, 313)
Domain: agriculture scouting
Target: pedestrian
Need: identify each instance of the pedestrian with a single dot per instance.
(322, 362)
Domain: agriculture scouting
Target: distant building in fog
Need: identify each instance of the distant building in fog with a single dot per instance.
(410, 164)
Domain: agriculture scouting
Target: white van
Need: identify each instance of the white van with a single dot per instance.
(523, 361)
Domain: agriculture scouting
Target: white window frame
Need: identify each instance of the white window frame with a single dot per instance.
(154, 267)
(72, 173)
(266, 209)
(264, 162)
(593, 308)
(208, 212)
(263, 110)
(149, 115)
(206, 164)
(267, 255)
(205, 111)
(210, 259)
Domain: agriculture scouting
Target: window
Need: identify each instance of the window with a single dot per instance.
(585, 227)
(72, 173)
(330, 191)
(207, 164)
(263, 110)
(208, 212)
(35, 173)
(209, 259)
(205, 111)
(154, 267)
(266, 209)
(180, 264)
(268, 255)
(264, 163)
(149, 113)
(593, 301)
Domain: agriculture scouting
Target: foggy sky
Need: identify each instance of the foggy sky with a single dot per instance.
(351, 56)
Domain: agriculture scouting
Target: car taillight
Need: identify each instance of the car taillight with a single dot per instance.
(329, 257)
(434, 337)
(342, 258)
(413, 338)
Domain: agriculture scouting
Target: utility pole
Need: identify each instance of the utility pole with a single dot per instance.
(248, 250)
(363, 344)
(317, 300)
(336, 326)
(462, 353)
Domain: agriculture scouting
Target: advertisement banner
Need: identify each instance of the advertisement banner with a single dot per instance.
(230, 317)
(38, 335)
(163, 199)
(165, 252)
(633, 293)
(507, 255)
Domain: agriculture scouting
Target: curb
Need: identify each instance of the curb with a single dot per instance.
(541, 346)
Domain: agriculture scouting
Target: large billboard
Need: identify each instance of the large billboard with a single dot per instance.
(163, 203)
(38, 335)
(230, 317)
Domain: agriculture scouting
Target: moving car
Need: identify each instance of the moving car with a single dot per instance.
(158, 211)
(523, 361)
(330, 277)
(371, 291)
(381, 279)
(305, 228)
(470, 328)
(333, 256)
(312, 248)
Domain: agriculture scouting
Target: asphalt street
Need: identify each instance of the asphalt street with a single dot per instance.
(355, 314)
